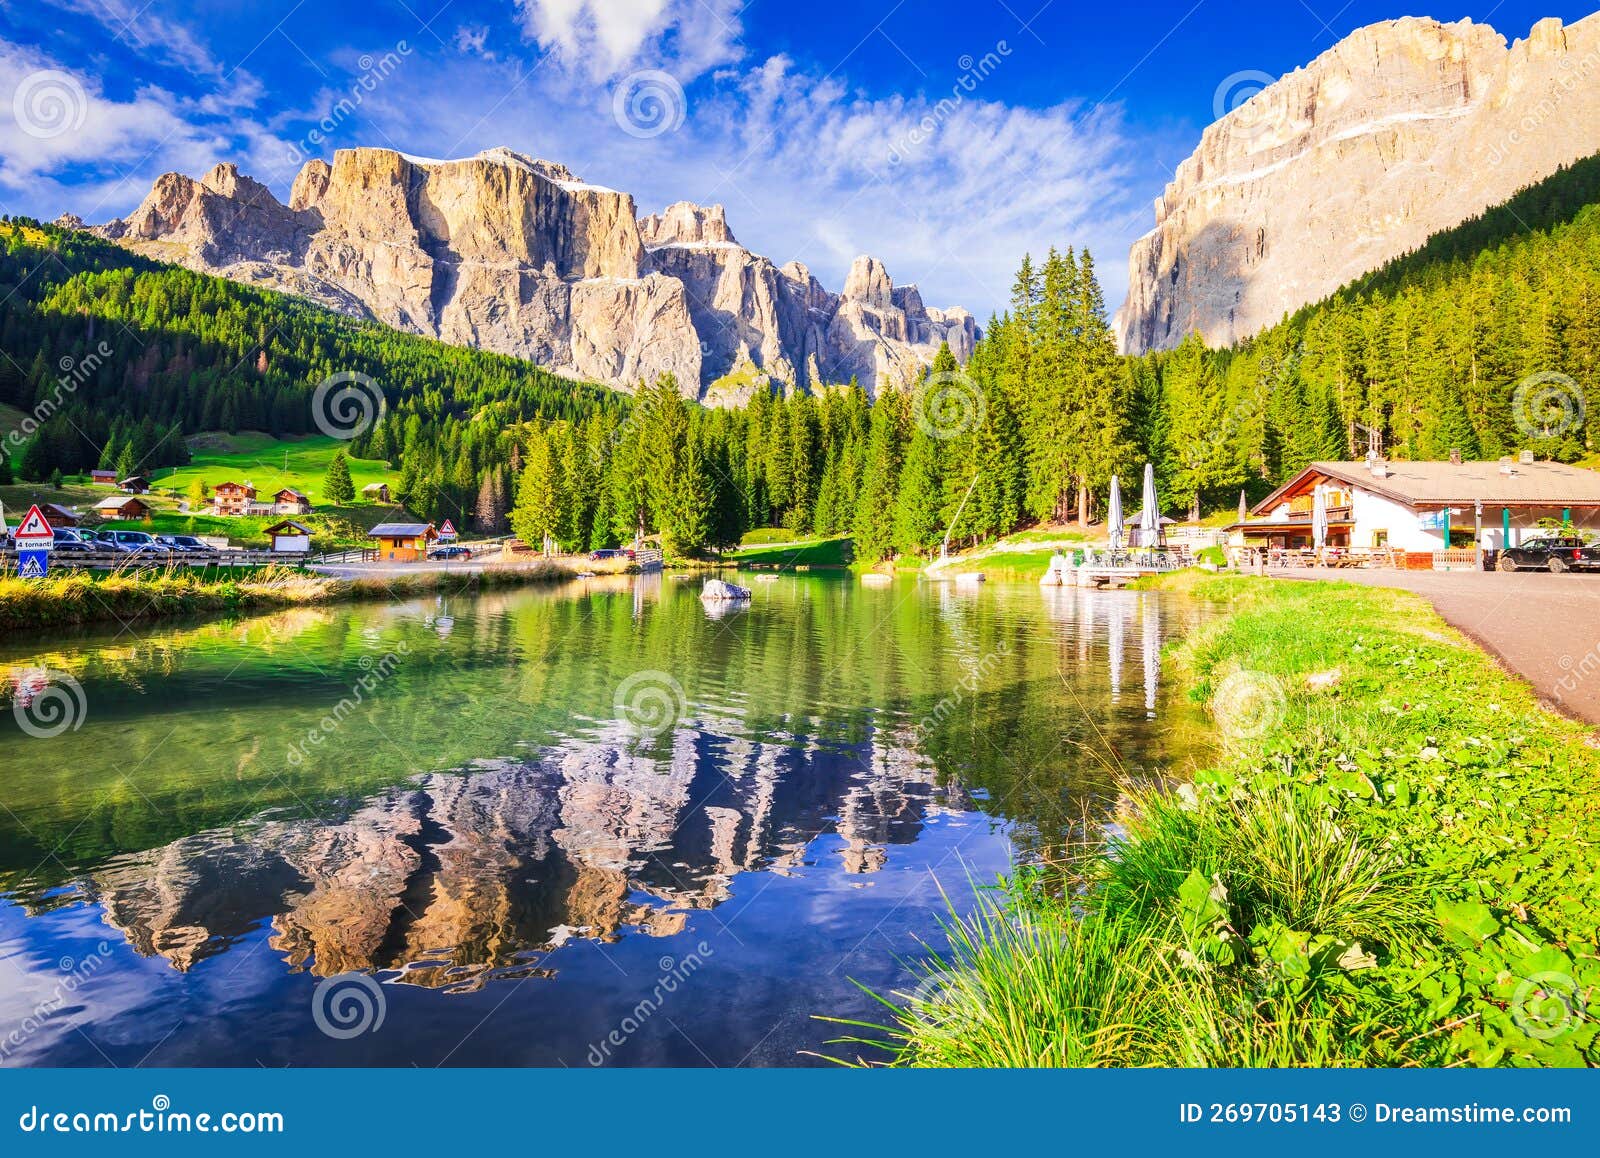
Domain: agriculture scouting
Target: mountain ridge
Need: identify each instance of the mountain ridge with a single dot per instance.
(1403, 129)
(513, 254)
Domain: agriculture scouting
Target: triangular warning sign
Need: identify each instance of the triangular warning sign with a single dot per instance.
(30, 566)
(449, 528)
(33, 526)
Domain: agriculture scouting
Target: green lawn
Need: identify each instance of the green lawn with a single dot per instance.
(816, 553)
(766, 536)
(268, 463)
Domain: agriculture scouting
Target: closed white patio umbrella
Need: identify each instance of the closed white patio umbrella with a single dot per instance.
(1150, 516)
(1319, 519)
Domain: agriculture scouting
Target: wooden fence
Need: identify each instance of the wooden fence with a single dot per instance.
(156, 560)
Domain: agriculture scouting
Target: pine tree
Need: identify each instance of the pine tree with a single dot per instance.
(533, 519)
(336, 485)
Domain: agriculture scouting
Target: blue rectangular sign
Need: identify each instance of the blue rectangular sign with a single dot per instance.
(32, 563)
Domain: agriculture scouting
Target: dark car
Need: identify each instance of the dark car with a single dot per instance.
(606, 553)
(72, 542)
(1556, 554)
(449, 553)
(187, 544)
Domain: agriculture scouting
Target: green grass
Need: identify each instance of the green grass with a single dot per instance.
(766, 536)
(815, 553)
(268, 464)
(76, 597)
(1392, 863)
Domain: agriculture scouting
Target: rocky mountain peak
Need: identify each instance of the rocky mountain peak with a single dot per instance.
(685, 223)
(869, 282)
(510, 253)
(1402, 129)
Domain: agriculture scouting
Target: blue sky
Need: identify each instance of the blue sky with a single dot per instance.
(819, 125)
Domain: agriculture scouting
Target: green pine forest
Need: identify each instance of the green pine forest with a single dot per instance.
(1429, 351)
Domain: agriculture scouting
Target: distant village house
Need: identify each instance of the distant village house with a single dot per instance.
(290, 502)
(376, 492)
(134, 485)
(121, 507)
(103, 478)
(231, 498)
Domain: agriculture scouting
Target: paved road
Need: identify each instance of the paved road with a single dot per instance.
(1545, 628)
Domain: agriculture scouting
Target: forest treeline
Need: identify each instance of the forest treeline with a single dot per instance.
(1486, 340)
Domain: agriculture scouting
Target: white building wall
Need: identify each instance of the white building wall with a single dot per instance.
(1373, 514)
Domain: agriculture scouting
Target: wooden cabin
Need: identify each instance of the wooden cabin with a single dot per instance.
(402, 542)
(134, 484)
(121, 507)
(289, 501)
(103, 478)
(231, 498)
(376, 492)
(58, 516)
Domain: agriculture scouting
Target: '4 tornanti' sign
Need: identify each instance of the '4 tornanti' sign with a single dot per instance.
(34, 539)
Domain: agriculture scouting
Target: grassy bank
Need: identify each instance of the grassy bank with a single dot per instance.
(1395, 863)
(87, 597)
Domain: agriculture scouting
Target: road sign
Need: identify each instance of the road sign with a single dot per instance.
(34, 531)
(33, 563)
(448, 531)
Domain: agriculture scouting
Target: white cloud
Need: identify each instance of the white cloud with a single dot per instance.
(950, 195)
(56, 124)
(134, 24)
(603, 38)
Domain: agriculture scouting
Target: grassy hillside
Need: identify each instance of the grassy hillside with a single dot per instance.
(269, 463)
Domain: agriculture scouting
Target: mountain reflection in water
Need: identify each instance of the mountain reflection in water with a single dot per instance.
(830, 739)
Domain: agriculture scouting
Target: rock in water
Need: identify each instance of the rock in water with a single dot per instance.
(512, 254)
(1402, 129)
(719, 590)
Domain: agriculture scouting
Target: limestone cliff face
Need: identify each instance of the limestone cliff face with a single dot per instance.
(1401, 130)
(517, 255)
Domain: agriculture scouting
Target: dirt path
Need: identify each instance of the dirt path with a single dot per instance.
(1545, 628)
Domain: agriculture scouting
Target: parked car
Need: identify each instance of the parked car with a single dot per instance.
(136, 542)
(1555, 554)
(450, 553)
(70, 541)
(187, 544)
(606, 553)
